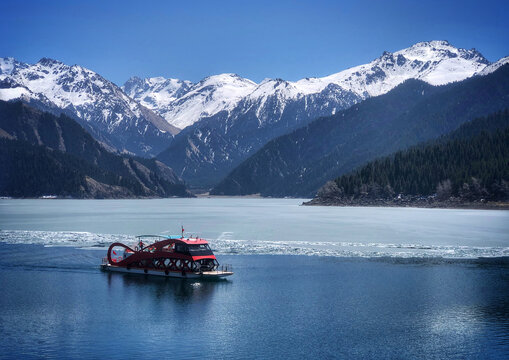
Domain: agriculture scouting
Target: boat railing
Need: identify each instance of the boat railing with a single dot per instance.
(105, 260)
(225, 268)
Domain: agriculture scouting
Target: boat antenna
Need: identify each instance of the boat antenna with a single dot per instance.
(182, 226)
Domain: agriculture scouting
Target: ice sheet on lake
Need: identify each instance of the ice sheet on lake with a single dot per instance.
(227, 244)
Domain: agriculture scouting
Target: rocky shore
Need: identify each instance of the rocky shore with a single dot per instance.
(331, 195)
(410, 201)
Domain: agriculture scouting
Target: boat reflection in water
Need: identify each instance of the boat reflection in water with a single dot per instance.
(161, 289)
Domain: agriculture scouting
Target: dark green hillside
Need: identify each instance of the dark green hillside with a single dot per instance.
(65, 148)
(470, 164)
(299, 163)
(32, 171)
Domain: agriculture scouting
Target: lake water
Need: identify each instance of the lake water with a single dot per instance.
(310, 282)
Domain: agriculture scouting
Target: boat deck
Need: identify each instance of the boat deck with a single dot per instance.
(215, 274)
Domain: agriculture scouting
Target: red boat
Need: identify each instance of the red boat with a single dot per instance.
(169, 256)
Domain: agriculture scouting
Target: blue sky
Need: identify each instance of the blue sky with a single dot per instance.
(255, 39)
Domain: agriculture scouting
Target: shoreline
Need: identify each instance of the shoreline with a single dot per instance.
(207, 195)
(312, 202)
(413, 204)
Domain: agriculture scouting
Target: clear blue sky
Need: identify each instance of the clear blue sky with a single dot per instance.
(255, 39)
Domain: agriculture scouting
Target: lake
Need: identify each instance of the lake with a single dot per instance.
(310, 282)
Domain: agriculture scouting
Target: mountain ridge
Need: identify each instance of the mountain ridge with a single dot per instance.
(226, 118)
(297, 164)
(363, 80)
(205, 152)
(98, 104)
(39, 145)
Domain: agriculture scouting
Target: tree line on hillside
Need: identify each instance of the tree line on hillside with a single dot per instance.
(44, 154)
(469, 165)
(31, 171)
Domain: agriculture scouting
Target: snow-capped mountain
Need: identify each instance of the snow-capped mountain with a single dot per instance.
(494, 66)
(300, 162)
(99, 105)
(183, 103)
(209, 149)
(157, 92)
(436, 62)
(226, 117)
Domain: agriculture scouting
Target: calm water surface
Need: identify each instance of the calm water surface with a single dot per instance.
(382, 283)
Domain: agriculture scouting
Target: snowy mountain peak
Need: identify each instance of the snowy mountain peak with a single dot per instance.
(97, 103)
(440, 49)
(433, 44)
(278, 86)
(436, 62)
(156, 91)
(225, 79)
(49, 62)
(182, 103)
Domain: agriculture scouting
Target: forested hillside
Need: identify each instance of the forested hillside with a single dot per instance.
(469, 165)
(46, 154)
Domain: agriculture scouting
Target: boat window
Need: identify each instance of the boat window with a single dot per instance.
(199, 250)
(193, 249)
(181, 248)
(170, 247)
(200, 247)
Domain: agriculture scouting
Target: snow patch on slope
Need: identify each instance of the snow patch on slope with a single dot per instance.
(182, 103)
(88, 96)
(493, 67)
(14, 93)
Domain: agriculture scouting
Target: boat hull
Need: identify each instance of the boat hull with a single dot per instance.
(172, 274)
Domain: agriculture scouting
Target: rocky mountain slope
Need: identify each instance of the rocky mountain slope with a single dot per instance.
(207, 150)
(46, 154)
(182, 103)
(298, 163)
(99, 105)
